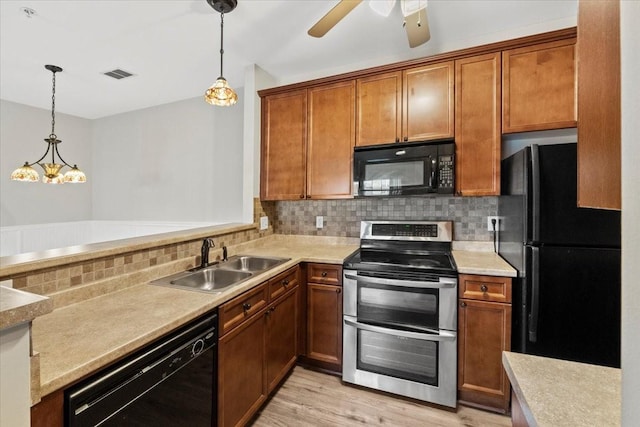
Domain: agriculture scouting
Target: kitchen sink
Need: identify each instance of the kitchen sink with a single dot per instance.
(251, 263)
(211, 279)
(220, 276)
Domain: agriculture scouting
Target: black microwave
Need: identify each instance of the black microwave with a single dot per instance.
(404, 169)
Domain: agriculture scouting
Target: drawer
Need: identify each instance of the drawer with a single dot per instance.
(280, 284)
(242, 307)
(330, 274)
(485, 288)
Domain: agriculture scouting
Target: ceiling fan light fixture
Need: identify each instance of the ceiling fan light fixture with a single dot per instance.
(382, 7)
(412, 6)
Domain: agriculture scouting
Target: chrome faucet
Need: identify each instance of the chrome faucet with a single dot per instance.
(206, 245)
(224, 253)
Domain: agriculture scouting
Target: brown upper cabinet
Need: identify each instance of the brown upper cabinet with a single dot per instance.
(477, 127)
(307, 143)
(284, 140)
(331, 140)
(599, 131)
(415, 104)
(539, 87)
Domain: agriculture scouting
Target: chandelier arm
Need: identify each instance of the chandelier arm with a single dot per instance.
(43, 156)
(55, 148)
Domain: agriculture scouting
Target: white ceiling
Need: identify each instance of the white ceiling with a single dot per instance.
(172, 45)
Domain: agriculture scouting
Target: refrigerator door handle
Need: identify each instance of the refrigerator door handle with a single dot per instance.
(535, 294)
(535, 189)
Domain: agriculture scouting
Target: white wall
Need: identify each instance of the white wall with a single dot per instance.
(630, 44)
(175, 162)
(22, 130)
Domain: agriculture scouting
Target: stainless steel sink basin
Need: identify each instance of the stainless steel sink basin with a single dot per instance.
(211, 279)
(218, 277)
(251, 263)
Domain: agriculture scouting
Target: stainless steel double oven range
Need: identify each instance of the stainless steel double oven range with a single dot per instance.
(400, 311)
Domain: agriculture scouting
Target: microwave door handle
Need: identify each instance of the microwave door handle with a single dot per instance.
(443, 282)
(442, 335)
(432, 176)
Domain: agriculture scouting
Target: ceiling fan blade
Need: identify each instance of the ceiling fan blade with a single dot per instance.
(333, 17)
(417, 27)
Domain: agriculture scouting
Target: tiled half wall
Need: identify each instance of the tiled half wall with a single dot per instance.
(342, 217)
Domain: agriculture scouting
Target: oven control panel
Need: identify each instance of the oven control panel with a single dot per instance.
(395, 230)
(439, 231)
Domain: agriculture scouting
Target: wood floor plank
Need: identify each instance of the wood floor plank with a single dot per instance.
(313, 399)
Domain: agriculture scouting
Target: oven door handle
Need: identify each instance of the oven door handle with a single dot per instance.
(443, 282)
(440, 336)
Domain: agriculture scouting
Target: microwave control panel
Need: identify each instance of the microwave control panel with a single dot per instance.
(445, 172)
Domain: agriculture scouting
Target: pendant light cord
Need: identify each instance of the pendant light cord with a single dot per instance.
(221, 40)
(53, 109)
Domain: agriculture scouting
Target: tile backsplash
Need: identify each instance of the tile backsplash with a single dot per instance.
(342, 217)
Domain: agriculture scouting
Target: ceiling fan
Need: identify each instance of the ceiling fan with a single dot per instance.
(414, 12)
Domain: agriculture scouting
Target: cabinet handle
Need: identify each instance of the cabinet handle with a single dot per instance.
(463, 304)
(246, 306)
(308, 196)
(484, 288)
(324, 274)
(302, 196)
(338, 290)
(285, 283)
(397, 139)
(406, 138)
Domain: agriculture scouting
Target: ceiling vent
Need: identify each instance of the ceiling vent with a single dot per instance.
(118, 74)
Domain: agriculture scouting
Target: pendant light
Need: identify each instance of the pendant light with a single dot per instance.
(52, 174)
(220, 93)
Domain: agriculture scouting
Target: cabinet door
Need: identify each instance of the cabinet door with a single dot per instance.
(379, 109)
(477, 129)
(324, 324)
(241, 381)
(599, 131)
(428, 102)
(331, 140)
(284, 133)
(282, 334)
(539, 87)
(484, 331)
(49, 412)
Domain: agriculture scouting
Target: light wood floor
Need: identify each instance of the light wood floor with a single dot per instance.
(309, 398)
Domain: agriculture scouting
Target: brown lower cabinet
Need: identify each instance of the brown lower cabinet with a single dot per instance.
(324, 317)
(257, 352)
(49, 412)
(484, 332)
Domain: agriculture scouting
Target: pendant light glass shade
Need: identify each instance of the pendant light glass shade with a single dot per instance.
(221, 94)
(52, 174)
(382, 7)
(26, 174)
(75, 176)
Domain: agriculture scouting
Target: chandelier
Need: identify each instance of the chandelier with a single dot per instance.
(220, 93)
(52, 174)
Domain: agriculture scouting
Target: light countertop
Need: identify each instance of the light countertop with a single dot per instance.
(560, 393)
(18, 307)
(79, 339)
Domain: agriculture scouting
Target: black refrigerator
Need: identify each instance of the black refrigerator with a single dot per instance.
(566, 298)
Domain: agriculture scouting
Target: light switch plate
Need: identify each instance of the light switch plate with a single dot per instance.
(264, 222)
(319, 222)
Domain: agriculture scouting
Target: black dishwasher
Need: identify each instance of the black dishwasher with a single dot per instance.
(171, 382)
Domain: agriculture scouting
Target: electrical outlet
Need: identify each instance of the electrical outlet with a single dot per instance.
(490, 226)
(264, 222)
(319, 222)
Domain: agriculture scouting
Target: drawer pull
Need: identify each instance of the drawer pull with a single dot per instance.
(285, 283)
(338, 290)
(484, 288)
(324, 274)
(463, 304)
(246, 306)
